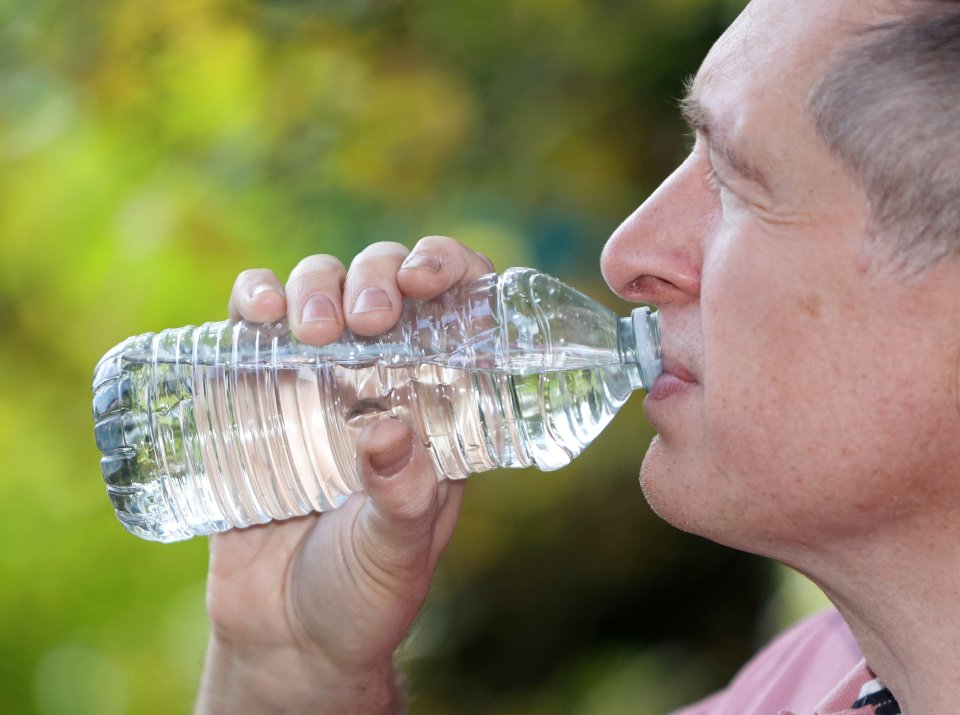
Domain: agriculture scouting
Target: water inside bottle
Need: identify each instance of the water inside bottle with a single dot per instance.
(219, 447)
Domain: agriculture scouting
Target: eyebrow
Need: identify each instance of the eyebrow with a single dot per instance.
(701, 120)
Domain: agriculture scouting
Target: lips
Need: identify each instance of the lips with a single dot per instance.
(674, 380)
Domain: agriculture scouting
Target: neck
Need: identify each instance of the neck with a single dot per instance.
(901, 599)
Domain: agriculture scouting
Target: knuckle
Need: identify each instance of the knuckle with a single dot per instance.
(418, 511)
(318, 263)
(385, 564)
(439, 244)
(253, 276)
(380, 251)
(453, 253)
(386, 247)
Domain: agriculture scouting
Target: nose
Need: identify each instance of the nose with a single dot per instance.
(656, 254)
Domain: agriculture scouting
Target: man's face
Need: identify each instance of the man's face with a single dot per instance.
(809, 396)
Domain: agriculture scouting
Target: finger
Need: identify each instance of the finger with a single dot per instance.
(370, 294)
(449, 496)
(436, 264)
(257, 296)
(395, 534)
(314, 297)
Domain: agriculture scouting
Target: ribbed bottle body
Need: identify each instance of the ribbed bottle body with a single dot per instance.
(231, 424)
(194, 449)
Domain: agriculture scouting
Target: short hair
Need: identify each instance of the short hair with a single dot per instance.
(889, 108)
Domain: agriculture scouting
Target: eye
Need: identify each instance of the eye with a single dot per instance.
(729, 199)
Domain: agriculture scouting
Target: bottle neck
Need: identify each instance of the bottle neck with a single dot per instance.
(639, 344)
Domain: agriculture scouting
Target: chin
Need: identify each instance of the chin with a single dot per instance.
(685, 495)
(667, 489)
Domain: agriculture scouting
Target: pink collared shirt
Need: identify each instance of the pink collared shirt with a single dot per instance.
(813, 668)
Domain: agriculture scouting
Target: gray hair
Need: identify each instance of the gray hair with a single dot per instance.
(889, 108)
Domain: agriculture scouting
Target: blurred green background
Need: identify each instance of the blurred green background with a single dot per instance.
(150, 151)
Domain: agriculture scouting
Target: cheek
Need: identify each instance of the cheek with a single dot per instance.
(807, 393)
(778, 374)
(750, 348)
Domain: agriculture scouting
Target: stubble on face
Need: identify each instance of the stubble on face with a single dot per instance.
(792, 439)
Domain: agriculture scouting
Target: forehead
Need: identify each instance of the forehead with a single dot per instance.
(759, 74)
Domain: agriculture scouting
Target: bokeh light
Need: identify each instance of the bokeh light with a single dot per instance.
(151, 151)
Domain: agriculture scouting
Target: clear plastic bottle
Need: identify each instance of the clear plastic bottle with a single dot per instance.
(230, 424)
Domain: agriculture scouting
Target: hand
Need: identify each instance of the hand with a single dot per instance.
(306, 613)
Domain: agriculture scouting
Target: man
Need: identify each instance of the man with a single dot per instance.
(805, 262)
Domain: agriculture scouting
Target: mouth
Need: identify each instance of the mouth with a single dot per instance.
(674, 380)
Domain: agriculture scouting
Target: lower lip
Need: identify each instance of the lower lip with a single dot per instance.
(667, 386)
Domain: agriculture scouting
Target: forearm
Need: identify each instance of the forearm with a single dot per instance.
(293, 683)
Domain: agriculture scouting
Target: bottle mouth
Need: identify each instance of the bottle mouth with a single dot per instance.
(646, 337)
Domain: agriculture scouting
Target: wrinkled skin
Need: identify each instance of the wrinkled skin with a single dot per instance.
(808, 411)
(306, 613)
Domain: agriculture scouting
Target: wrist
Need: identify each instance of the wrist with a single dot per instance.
(292, 681)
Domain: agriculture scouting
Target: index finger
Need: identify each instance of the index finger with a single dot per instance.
(437, 264)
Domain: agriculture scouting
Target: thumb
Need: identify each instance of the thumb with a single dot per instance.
(397, 520)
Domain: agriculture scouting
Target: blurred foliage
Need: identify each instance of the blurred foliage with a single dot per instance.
(150, 151)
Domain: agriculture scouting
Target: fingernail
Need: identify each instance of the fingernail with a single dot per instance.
(392, 460)
(263, 288)
(371, 299)
(422, 260)
(318, 307)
